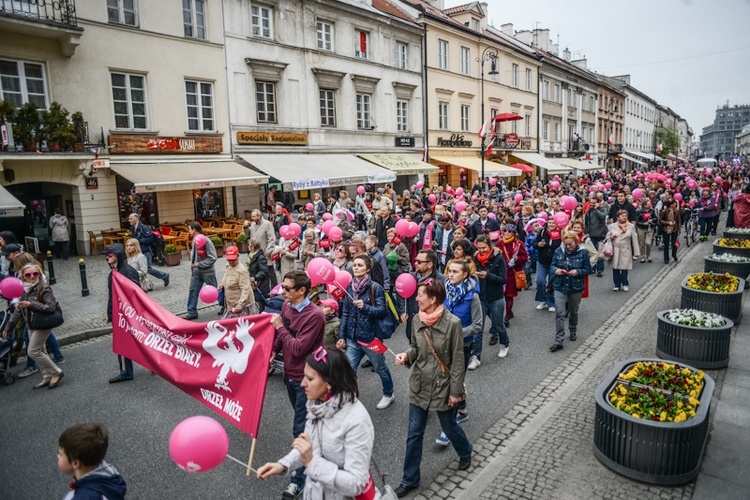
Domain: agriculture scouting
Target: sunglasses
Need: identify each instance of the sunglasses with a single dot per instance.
(321, 355)
(108, 255)
(421, 261)
(34, 274)
(287, 288)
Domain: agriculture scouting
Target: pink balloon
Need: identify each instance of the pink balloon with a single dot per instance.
(637, 193)
(320, 270)
(592, 188)
(561, 219)
(492, 181)
(692, 184)
(554, 185)
(459, 192)
(199, 240)
(568, 203)
(692, 203)
(543, 215)
(678, 196)
(474, 198)
(11, 288)
(327, 225)
(361, 189)
(518, 198)
(284, 231)
(556, 177)
(402, 227)
(342, 279)
(718, 179)
(309, 207)
(208, 294)
(460, 206)
(608, 185)
(432, 198)
(413, 229)
(406, 285)
(335, 233)
(198, 444)
(327, 216)
(294, 230)
(420, 184)
(492, 215)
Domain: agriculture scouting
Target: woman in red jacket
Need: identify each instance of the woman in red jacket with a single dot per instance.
(515, 254)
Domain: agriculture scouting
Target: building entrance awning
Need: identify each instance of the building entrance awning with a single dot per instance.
(9, 205)
(542, 162)
(401, 164)
(491, 168)
(641, 154)
(582, 166)
(303, 171)
(630, 158)
(174, 176)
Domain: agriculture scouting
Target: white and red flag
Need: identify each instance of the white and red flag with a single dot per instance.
(611, 139)
(377, 346)
(483, 130)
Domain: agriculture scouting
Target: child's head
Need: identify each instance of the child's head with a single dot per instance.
(82, 446)
(329, 307)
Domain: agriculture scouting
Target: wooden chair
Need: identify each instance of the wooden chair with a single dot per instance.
(181, 241)
(95, 240)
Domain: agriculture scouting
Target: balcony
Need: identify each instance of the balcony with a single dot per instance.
(43, 19)
(511, 141)
(614, 149)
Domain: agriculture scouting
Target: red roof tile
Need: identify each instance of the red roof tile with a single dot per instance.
(389, 8)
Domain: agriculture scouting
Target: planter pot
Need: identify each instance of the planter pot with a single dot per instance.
(742, 252)
(739, 269)
(29, 145)
(728, 305)
(172, 259)
(704, 348)
(243, 247)
(739, 236)
(663, 453)
(219, 251)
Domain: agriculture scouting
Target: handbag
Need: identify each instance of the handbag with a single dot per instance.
(520, 279)
(39, 320)
(387, 325)
(550, 288)
(146, 284)
(607, 250)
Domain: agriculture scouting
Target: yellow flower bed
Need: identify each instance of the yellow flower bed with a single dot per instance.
(734, 243)
(710, 282)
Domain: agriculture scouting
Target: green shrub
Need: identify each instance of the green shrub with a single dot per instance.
(170, 249)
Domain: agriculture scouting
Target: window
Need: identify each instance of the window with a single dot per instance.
(465, 55)
(22, 82)
(514, 126)
(545, 130)
(122, 12)
(402, 116)
(265, 96)
(569, 98)
(443, 115)
(591, 104)
(442, 54)
(129, 99)
(557, 132)
(557, 93)
(545, 95)
(327, 108)
(514, 76)
(527, 125)
(363, 112)
(360, 44)
(194, 18)
(475, 24)
(325, 35)
(261, 18)
(200, 106)
(401, 55)
(464, 118)
(528, 79)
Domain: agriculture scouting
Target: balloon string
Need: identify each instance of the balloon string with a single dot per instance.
(243, 464)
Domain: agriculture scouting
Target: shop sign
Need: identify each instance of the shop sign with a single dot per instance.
(381, 178)
(171, 144)
(455, 141)
(101, 163)
(511, 140)
(404, 142)
(271, 139)
(92, 183)
(136, 144)
(310, 184)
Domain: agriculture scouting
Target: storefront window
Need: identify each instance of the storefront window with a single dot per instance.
(464, 178)
(130, 202)
(208, 203)
(442, 177)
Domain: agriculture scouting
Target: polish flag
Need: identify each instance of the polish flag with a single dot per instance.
(611, 139)
(659, 148)
(483, 130)
(377, 346)
(424, 152)
(488, 150)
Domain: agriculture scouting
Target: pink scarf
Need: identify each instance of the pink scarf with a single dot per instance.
(430, 319)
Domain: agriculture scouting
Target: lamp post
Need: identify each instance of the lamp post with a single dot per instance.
(489, 54)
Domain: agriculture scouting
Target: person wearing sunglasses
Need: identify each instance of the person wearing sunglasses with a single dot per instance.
(425, 267)
(117, 260)
(336, 446)
(37, 297)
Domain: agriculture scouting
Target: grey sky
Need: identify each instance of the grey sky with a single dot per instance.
(635, 36)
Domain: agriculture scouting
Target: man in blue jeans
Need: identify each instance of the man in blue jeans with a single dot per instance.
(595, 225)
(145, 237)
(202, 260)
(300, 329)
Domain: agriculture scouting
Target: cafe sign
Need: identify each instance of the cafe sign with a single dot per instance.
(138, 144)
(455, 141)
(271, 139)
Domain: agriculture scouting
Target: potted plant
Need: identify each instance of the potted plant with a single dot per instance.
(79, 130)
(727, 263)
(7, 111)
(172, 256)
(56, 128)
(651, 420)
(219, 244)
(736, 246)
(741, 233)
(697, 338)
(242, 243)
(716, 293)
(26, 126)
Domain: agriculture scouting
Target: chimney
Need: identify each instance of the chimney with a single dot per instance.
(507, 29)
(525, 36)
(438, 4)
(542, 39)
(581, 63)
(566, 54)
(555, 49)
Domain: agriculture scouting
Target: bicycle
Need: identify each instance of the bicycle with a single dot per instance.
(692, 229)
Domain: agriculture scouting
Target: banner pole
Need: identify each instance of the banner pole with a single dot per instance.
(250, 460)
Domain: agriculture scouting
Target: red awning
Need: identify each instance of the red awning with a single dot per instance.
(523, 168)
(507, 117)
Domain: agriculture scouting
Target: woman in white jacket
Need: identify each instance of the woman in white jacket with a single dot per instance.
(337, 443)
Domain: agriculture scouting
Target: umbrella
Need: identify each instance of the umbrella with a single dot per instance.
(507, 117)
(523, 167)
(346, 212)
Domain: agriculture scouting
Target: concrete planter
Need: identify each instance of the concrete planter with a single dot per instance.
(739, 269)
(704, 348)
(728, 305)
(663, 453)
(739, 236)
(742, 252)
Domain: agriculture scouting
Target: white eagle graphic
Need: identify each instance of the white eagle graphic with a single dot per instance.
(229, 357)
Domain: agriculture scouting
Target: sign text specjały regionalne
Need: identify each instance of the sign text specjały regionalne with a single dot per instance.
(271, 138)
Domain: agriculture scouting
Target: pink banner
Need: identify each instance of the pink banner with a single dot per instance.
(223, 364)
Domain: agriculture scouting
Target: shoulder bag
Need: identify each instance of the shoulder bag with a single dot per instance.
(146, 284)
(520, 276)
(387, 325)
(443, 367)
(42, 320)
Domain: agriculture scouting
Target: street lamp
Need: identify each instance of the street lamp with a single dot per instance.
(489, 54)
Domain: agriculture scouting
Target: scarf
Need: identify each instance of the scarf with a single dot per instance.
(484, 258)
(623, 229)
(326, 409)
(509, 239)
(359, 285)
(27, 287)
(456, 293)
(430, 319)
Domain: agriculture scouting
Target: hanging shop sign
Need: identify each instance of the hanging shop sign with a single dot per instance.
(138, 144)
(455, 141)
(511, 140)
(271, 139)
(310, 184)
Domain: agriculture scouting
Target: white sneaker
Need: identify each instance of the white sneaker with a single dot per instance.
(503, 352)
(616, 289)
(385, 402)
(552, 309)
(541, 306)
(474, 363)
(625, 288)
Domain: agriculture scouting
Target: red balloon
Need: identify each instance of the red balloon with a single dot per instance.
(405, 285)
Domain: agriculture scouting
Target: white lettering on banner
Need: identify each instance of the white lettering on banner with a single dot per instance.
(233, 409)
(186, 355)
(212, 397)
(310, 184)
(160, 344)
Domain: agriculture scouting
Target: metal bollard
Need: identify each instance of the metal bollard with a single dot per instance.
(51, 268)
(84, 284)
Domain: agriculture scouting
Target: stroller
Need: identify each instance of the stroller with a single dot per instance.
(6, 345)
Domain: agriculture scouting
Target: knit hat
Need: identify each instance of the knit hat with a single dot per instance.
(510, 227)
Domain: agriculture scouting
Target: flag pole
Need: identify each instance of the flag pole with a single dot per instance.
(250, 460)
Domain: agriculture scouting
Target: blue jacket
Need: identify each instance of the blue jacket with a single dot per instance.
(361, 324)
(706, 207)
(529, 243)
(578, 260)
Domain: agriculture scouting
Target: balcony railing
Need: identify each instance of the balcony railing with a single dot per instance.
(58, 12)
(614, 149)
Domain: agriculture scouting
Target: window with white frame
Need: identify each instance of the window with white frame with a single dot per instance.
(493, 113)
(129, 99)
(327, 108)
(442, 54)
(22, 82)
(443, 115)
(364, 120)
(465, 57)
(324, 31)
(402, 55)
(265, 98)
(545, 130)
(545, 95)
(402, 116)
(122, 12)
(194, 18)
(527, 126)
(361, 42)
(514, 75)
(557, 132)
(465, 118)
(261, 20)
(514, 126)
(592, 104)
(475, 24)
(557, 98)
(200, 106)
(528, 79)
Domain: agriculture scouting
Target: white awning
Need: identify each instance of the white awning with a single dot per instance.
(647, 156)
(316, 171)
(173, 176)
(401, 164)
(630, 158)
(491, 168)
(583, 166)
(542, 162)
(9, 205)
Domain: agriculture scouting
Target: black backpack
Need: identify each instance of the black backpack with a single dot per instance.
(376, 273)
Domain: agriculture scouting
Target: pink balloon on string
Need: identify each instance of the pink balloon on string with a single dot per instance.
(678, 196)
(413, 229)
(342, 279)
(198, 444)
(208, 294)
(335, 233)
(492, 215)
(199, 240)
(420, 184)
(637, 193)
(459, 192)
(492, 181)
(327, 225)
(518, 198)
(692, 184)
(460, 206)
(361, 190)
(309, 207)
(554, 185)
(294, 230)
(405, 285)
(432, 198)
(718, 179)
(320, 271)
(402, 227)
(284, 231)
(327, 216)
(568, 203)
(608, 185)
(543, 215)
(11, 288)
(561, 219)
(692, 203)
